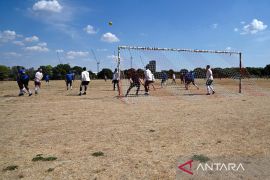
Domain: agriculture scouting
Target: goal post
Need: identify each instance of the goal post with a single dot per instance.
(240, 68)
(135, 53)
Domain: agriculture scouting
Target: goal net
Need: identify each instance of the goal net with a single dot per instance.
(171, 67)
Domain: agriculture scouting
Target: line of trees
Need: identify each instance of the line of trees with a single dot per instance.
(233, 72)
(59, 71)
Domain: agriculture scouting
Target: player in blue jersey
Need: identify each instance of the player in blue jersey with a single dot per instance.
(47, 78)
(164, 78)
(23, 80)
(69, 79)
(190, 78)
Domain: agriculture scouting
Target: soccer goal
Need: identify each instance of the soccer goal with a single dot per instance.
(170, 67)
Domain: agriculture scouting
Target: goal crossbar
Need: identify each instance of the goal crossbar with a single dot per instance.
(179, 50)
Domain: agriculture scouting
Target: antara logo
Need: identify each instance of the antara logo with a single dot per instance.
(181, 167)
(211, 167)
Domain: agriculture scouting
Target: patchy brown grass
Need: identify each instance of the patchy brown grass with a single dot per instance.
(141, 137)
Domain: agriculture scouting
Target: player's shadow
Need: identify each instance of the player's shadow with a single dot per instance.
(95, 98)
(10, 95)
(134, 95)
(73, 95)
(194, 94)
(107, 90)
(85, 97)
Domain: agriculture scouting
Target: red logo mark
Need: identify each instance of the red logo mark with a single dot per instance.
(181, 167)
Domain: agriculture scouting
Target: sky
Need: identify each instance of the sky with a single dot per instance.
(41, 32)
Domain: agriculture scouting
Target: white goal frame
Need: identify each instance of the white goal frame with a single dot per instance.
(183, 50)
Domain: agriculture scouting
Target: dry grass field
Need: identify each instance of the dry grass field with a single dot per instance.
(102, 136)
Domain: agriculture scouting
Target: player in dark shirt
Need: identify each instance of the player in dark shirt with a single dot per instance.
(47, 79)
(190, 78)
(23, 80)
(134, 81)
(164, 78)
(69, 79)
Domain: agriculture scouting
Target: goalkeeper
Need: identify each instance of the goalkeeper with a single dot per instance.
(134, 82)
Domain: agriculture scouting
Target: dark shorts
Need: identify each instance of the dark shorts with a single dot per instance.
(209, 82)
(23, 83)
(37, 83)
(148, 82)
(69, 82)
(137, 84)
(85, 83)
(188, 81)
(115, 81)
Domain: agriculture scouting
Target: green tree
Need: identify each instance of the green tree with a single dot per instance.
(4, 72)
(267, 70)
(92, 75)
(231, 72)
(105, 71)
(199, 73)
(77, 70)
(31, 72)
(255, 71)
(47, 70)
(60, 71)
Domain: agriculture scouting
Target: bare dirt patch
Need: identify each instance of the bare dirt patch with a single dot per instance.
(139, 137)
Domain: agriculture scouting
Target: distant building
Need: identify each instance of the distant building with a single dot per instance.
(152, 66)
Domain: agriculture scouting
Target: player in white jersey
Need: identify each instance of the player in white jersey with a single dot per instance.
(85, 81)
(115, 79)
(37, 80)
(173, 79)
(209, 80)
(148, 79)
